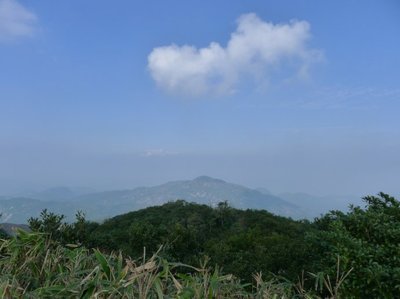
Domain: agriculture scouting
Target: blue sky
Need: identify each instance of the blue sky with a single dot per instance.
(287, 95)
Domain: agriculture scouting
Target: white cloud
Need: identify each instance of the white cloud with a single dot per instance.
(15, 21)
(157, 153)
(256, 49)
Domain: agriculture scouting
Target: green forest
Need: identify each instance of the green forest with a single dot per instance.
(187, 250)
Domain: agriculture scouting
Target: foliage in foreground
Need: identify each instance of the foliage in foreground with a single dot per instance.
(34, 266)
(367, 241)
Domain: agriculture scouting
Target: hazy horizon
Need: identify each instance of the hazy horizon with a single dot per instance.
(292, 97)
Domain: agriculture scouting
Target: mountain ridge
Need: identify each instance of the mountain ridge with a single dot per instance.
(102, 205)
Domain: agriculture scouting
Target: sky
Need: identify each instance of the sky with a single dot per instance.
(292, 96)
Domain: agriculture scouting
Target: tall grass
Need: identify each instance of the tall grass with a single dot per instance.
(34, 266)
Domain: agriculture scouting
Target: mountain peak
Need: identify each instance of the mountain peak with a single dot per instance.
(208, 179)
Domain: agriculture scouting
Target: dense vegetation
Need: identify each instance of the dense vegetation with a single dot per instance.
(241, 242)
(368, 242)
(32, 265)
(352, 255)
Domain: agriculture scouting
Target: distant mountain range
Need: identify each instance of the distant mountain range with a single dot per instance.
(204, 190)
(60, 193)
(317, 205)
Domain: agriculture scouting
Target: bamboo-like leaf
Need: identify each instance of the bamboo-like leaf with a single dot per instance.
(103, 263)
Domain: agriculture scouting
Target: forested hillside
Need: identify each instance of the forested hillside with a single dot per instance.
(242, 242)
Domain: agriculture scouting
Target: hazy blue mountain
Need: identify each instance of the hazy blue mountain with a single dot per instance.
(101, 205)
(264, 190)
(314, 206)
(20, 209)
(204, 190)
(60, 193)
